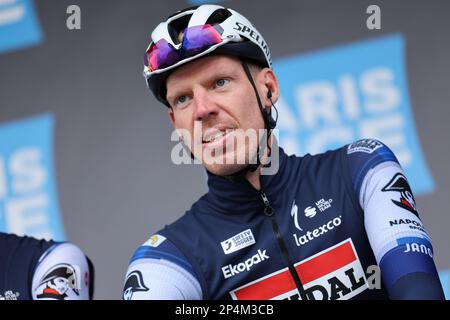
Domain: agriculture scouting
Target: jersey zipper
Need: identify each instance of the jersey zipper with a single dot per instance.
(270, 212)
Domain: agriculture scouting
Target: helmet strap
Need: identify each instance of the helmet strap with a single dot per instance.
(269, 124)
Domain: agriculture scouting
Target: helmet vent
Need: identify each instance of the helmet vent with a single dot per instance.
(176, 27)
(181, 11)
(218, 16)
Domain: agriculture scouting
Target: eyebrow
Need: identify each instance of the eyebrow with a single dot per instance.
(175, 93)
(220, 73)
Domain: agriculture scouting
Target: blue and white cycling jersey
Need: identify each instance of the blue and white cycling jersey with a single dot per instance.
(320, 228)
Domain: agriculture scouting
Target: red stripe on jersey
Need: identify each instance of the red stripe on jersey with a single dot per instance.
(326, 263)
(267, 288)
(317, 267)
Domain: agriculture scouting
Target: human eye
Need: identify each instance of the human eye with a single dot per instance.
(219, 83)
(181, 101)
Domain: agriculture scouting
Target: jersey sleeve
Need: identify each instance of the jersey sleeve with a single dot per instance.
(63, 272)
(159, 271)
(396, 234)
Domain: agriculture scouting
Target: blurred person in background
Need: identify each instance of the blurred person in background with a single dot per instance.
(32, 269)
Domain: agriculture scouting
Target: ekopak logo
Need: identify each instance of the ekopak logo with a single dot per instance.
(337, 96)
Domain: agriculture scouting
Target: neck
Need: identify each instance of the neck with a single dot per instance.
(253, 178)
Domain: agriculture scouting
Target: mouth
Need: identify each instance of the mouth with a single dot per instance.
(215, 137)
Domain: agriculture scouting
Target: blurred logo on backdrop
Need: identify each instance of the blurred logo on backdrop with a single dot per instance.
(444, 275)
(19, 25)
(200, 2)
(28, 202)
(333, 97)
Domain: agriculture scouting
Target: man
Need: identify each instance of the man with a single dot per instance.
(43, 270)
(321, 227)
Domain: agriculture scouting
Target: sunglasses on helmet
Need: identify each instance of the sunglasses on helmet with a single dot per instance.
(196, 39)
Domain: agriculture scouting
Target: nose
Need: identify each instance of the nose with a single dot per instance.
(204, 104)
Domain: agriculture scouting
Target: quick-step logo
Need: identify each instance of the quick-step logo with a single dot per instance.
(333, 274)
(238, 242)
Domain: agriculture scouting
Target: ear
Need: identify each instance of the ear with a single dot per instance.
(171, 116)
(270, 83)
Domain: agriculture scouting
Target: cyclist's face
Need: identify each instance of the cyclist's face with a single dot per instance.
(214, 102)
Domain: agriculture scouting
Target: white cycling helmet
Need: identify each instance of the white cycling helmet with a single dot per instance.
(195, 32)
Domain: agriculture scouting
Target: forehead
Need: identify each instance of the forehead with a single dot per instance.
(203, 67)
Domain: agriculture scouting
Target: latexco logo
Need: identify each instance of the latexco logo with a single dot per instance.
(232, 270)
(238, 242)
(311, 235)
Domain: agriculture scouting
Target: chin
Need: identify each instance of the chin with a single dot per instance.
(226, 166)
(224, 169)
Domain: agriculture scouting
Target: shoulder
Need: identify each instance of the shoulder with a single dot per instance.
(63, 272)
(159, 247)
(24, 243)
(364, 156)
(22, 251)
(368, 150)
(159, 270)
(359, 151)
(62, 251)
(352, 162)
(19, 256)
